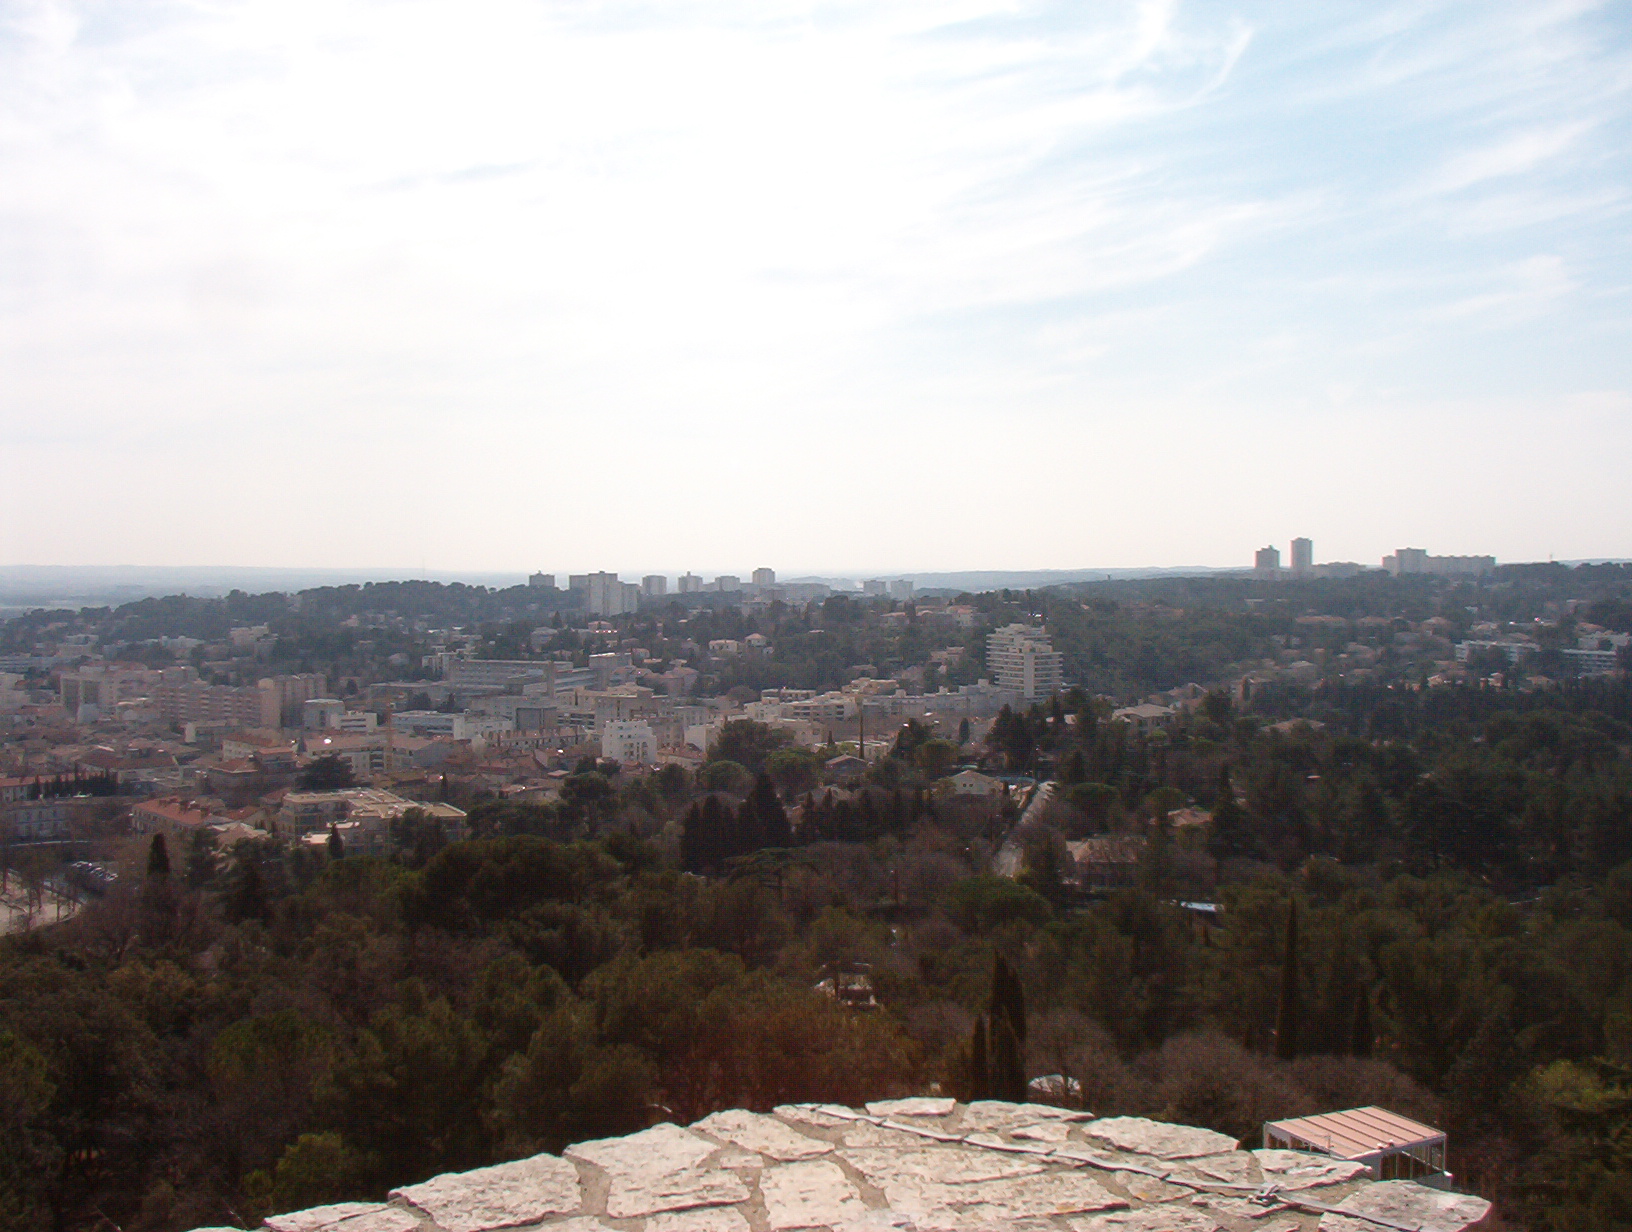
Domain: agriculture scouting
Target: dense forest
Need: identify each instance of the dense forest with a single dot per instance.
(248, 1033)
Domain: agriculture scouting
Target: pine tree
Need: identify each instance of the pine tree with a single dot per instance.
(1286, 1018)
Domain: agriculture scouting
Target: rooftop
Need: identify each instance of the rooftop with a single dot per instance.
(1358, 1133)
(917, 1165)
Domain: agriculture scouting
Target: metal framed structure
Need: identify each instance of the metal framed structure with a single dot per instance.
(1392, 1147)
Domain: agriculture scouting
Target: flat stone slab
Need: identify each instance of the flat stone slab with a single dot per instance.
(1430, 1210)
(662, 1148)
(503, 1196)
(1305, 1169)
(1046, 1131)
(1003, 1117)
(322, 1216)
(1146, 1137)
(940, 1206)
(1150, 1219)
(946, 1165)
(764, 1135)
(1149, 1188)
(634, 1195)
(918, 1106)
(866, 1135)
(1234, 1168)
(707, 1219)
(809, 1194)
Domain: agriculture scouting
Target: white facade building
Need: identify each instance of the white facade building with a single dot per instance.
(605, 595)
(1022, 658)
(628, 742)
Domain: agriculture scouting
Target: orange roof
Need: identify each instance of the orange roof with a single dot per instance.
(1357, 1132)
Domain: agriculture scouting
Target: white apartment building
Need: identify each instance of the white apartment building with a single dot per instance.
(604, 595)
(690, 584)
(1022, 658)
(654, 585)
(1417, 560)
(628, 742)
(764, 577)
(315, 711)
(727, 582)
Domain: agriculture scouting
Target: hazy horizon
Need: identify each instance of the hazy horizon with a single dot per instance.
(523, 283)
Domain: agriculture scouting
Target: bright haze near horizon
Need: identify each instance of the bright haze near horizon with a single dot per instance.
(844, 287)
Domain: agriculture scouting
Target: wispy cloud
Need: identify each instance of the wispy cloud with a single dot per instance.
(413, 231)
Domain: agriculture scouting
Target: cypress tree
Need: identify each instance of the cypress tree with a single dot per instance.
(1008, 1071)
(158, 857)
(248, 898)
(690, 838)
(714, 833)
(771, 818)
(1008, 998)
(1006, 1011)
(1360, 1035)
(1286, 1018)
(337, 845)
(980, 1083)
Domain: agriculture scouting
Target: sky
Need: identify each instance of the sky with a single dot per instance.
(834, 288)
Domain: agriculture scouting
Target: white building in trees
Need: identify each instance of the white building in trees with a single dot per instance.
(1022, 658)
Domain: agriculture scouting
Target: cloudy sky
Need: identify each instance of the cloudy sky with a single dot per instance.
(842, 286)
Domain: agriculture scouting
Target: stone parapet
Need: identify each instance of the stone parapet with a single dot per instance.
(913, 1165)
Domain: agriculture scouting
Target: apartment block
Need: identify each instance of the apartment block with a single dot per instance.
(1023, 658)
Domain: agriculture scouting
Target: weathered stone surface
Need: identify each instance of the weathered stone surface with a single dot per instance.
(918, 1106)
(660, 1169)
(386, 1219)
(707, 1219)
(662, 1148)
(1235, 1168)
(1406, 1202)
(1151, 1219)
(1239, 1211)
(809, 1194)
(1145, 1137)
(762, 1134)
(996, 1114)
(1305, 1169)
(1011, 1171)
(321, 1216)
(872, 1221)
(1047, 1131)
(1149, 1188)
(865, 1135)
(940, 1206)
(634, 1194)
(503, 1196)
(946, 1165)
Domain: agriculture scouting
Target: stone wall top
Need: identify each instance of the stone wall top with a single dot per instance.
(915, 1165)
